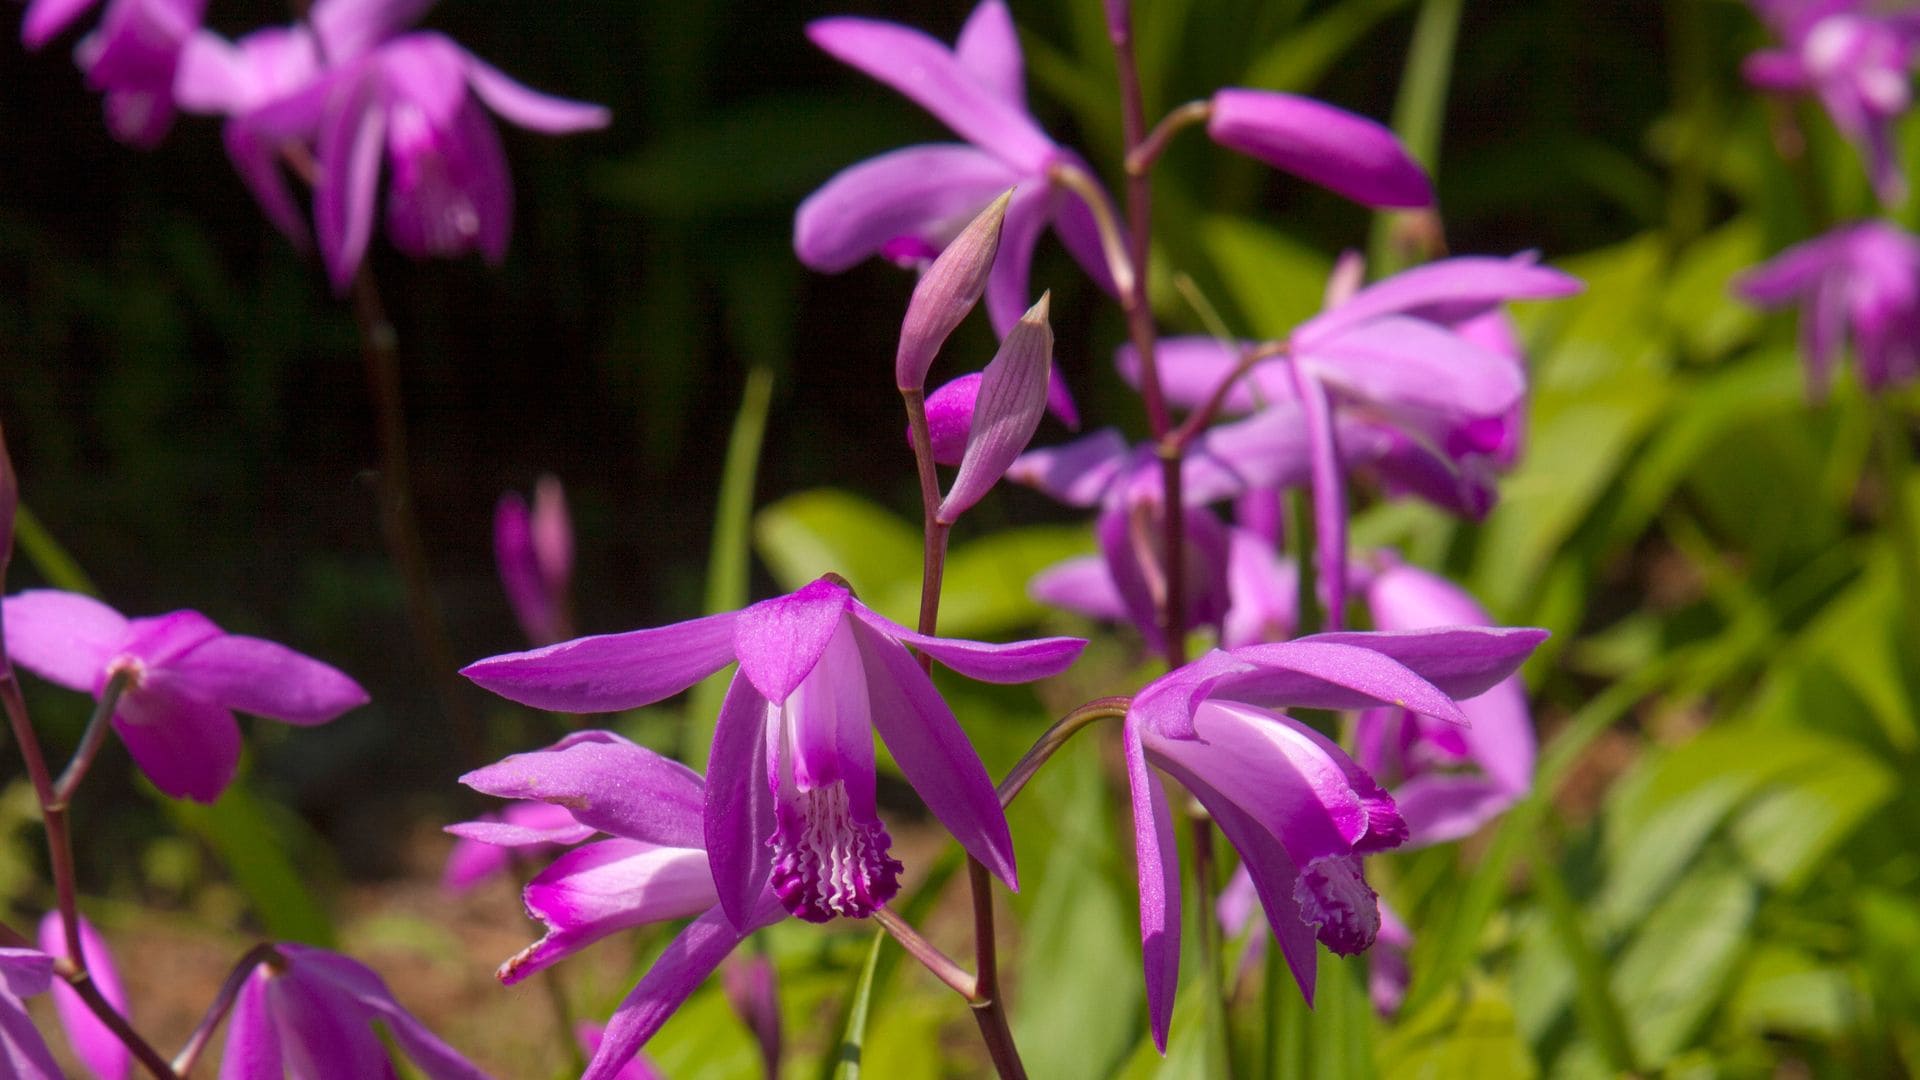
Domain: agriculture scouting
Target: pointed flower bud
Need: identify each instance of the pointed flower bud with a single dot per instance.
(946, 292)
(1013, 394)
(1347, 154)
(534, 551)
(752, 986)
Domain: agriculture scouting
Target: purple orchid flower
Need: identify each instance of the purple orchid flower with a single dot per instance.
(97, 1047)
(1447, 780)
(351, 93)
(1857, 61)
(23, 1053)
(654, 868)
(1859, 282)
(1387, 974)
(909, 204)
(484, 846)
(1297, 808)
(310, 1013)
(131, 56)
(185, 678)
(1124, 582)
(534, 551)
(792, 750)
(1397, 376)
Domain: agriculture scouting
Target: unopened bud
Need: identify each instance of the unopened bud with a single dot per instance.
(946, 292)
(1013, 395)
(1343, 152)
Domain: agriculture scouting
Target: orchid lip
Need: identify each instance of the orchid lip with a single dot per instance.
(828, 863)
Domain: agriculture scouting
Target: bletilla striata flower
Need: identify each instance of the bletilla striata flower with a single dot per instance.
(97, 1047)
(485, 845)
(1296, 807)
(309, 1014)
(791, 803)
(182, 680)
(533, 549)
(1447, 780)
(1858, 60)
(130, 57)
(653, 867)
(349, 92)
(23, 1053)
(1859, 283)
(907, 205)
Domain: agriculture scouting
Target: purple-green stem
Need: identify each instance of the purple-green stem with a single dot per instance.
(989, 1011)
(189, 1055)
(90, 742)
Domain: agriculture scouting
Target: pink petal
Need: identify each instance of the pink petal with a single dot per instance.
(946, 292)
(933, 752)
(1009, 294)
(1447, 291)
(342, 977)
(1347, 154)
(737, 816)
(931, 76)
(62, 637)
(779, 641)
(929, 192)
(1078, 473)
(97, 1047)
(1399, 362)
(1329, 495)
(605, 783)
(349, 29)
(267, 679)
(46, 19)
(1013, 395)
(530, 109)
(1083, 586)
(188, 747)
(1157, 862)
(257, 160)
(253, 1046)
(1012, 662)
(608, 886)
(346, 193)
(611, 672)
(1459, 661)
(989, 47)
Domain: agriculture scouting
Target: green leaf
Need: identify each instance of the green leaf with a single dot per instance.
(826, 530)
(1673, 975)
(855, 1034)
(985, 592)
(1275, 281)
(255, 841)
(47, 556)
(1786, 991)
(1786, 832)
(1304, 54)
(1466, 1035)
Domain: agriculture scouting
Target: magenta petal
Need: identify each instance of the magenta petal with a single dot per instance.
(1078, 473)
(607, 784)
(97, 1047)
(928, 192)
(928, 74)
(267, 679)
(1264, 591)
(611, 672)
(351, 28)
(340, 980)
(680, 970)
(1329, 496)
(347, 191)
(188, 747)
(528, 108)
(950, 417)
(1401, 362)
(45, 19)
(1191, 368)
(779, 641)
(933, 752)
(319, 1034)
(989, 47)
(1013, 662)
(23, 1053)
(253, 1046)
(1462, 661)
(605, 887)
(1332, 671)
(62, 637)
(1083, 586)
(1157, 863)
(1347, 154)
(1448, 291)
(738, 816)
(1441, 807)
(258, 163)
(1013, 395)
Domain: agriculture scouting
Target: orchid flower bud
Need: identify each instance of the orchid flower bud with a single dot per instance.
(946, 292)
(1347, 154)
(1013, 394)
(950, 417)
(534, 550)
(752, 987)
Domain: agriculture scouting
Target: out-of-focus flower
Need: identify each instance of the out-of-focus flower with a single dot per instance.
(349, 93)
(534, 551)
(1297, 808)
(1348, 155)
(791, 804)
(946, 293)
(1447, 780)
(183, 679)
(1387, 974)
(908, 205)
(1125, 581)
(310, 1013)
(131, 56)
(753, 987)
(654, 868)
(484, 846)
(1859, 283)
(1858, 61)
(23, 1053)
(97, 1047)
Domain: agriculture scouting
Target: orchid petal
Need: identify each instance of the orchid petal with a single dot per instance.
(738, 816)
(946, 292)
(989, 47)
(1011, 662)
(950, 417)
(258, 163)
(1013, 395)
(253, 1046)
(1448, 291)
(779, 641)
(1329, 495)
(1157, 864)
(929, 191)
(1401, 362)
(611, 672)
(1347, 154)
(1008, 283)
(46, 19)
(1332, 671)
(610, 785)
(605, 887)
(188, 747)
(342, 977)
(65, 638)
(1078, 473)
(929, 75)
(346, 192)
(1461, 661)
(350, 28)
(1083, 586)
(1442, 807)
(317, 1036)
(933, 752)
(528, 108)
(97, 1047)
(263, 678)
(686, 963)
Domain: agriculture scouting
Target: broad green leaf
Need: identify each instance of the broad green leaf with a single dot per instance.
(1788, 829)
(256, 841)
(1463, 1035)
(985, 591)
(1699, 301)
(1786, 991)
(829, 531)
(1675, 971)
(1304, 54)
(1274, 280)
